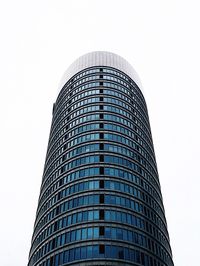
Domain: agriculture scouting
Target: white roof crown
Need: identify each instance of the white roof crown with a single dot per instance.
(100, 58)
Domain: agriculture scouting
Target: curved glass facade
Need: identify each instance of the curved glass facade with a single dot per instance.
(100, 201)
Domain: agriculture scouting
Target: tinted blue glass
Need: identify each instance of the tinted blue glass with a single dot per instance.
(71, 254)
(95, 251)
(90, 215)
(107, 232)
(83, 252)
(96, 232)
(79, 217)
(77, 253)
(107, 251)
(96, 215)
(124, 140)
(113, 252)
(67, 237)
(78, 234)
(56, 260)
(85, 216)
(84, 233)
(89, 252)
(90, 233)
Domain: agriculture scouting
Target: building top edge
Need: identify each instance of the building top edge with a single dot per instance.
(100, 58)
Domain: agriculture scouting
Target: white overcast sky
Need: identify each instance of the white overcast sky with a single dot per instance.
(38, 40)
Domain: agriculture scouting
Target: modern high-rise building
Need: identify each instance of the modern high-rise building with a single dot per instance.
(100, 201)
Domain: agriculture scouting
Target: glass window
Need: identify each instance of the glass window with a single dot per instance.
(113, 253)
(77, 254)
(69, 220)
(89, 252)
(96, 215)
(67, 237)
(114, 233)
(95, 251)
(90, 232)
(107, 251)
(79, 217)
(63, 239)
(71, 254)
(66, 256)
(83, 253)
(74, 218)
(78, 234)
(73, 234)
(107, 216)
(119, 233)
(107, 232)
(96, 232)
(90, 215)
(57, 260)
(84, 233)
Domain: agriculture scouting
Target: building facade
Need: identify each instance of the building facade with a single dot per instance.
(100, 201)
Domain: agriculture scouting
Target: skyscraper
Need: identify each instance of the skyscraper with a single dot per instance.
(100, 201)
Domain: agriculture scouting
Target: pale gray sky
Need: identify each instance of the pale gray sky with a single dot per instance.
(39, 39)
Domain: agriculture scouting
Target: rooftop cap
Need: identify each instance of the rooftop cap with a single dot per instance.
(100, 58)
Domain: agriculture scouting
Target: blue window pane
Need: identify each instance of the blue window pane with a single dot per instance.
(130, 236)
(85, 200)
(71, 254)
(96, 215)
(73, 235)
(74, 217)
(95, 251)
(107, 251)
(96, 199)
(58, 241)
(96, 184)
(77, 254)
(113, 200)
(107, 215)
(96, 232)
(123, 217)
(89, 252)
(65, 222)
(61, 258)
(67, 237)
(78, 234)
(113, 253)
(126, 254)
(83, 253)
(123, 201)
(137, 256)
(66, 256)
(119, 216)
(107, 184)
(128, 218)
(118, 201)
(69, 220)
(57, 260)
(79, 218)
(91, 185)
(125, 235)
(85, 214)
(90, 215)
(107, 232)
(84, 233)
(90, 233)
(107, 199)
(114, 233)
(63, 239)
(119, 234)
